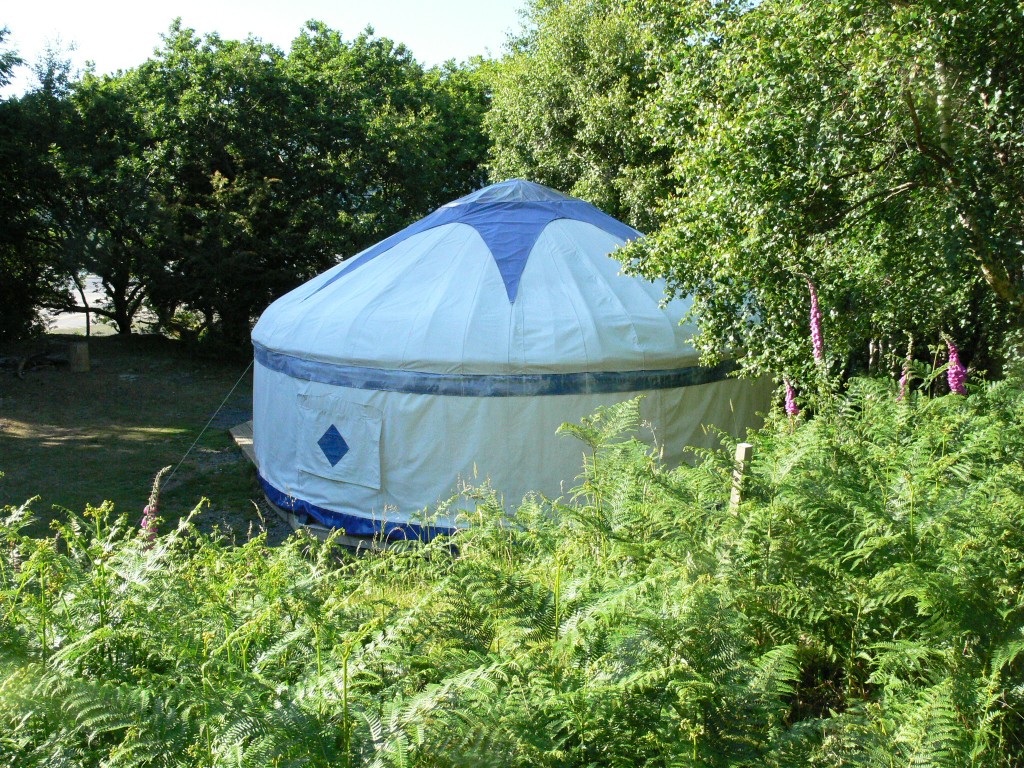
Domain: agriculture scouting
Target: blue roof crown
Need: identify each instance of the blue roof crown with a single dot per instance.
(509, 216)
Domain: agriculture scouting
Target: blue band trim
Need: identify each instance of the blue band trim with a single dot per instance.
(352, 524)
(489, 385)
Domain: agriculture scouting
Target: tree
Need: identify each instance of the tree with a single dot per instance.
(220, 174)
(215, 113)
(8, 59)
(109, 217)
(873, 148)
(388, 141)
(870, 148)
(568, 108)
(270, 167)
(30, 274)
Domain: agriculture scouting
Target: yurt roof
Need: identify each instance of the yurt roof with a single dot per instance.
(514, 278)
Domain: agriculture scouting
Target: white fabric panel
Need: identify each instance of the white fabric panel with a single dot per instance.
(430, 444)
(366, 317)
(436, 303)
(579, 313)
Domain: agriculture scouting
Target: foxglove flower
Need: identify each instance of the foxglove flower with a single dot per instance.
(904, 379)
(148, 526)
(792, 409)
(956, 374)
(817, 341)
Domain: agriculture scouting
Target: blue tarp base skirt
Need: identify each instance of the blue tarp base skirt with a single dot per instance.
(350, 524)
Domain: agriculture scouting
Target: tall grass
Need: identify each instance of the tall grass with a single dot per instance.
(862, 607)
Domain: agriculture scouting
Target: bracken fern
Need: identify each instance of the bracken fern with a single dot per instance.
(862, 606)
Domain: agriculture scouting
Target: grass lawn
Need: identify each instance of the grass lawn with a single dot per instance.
(81, 438)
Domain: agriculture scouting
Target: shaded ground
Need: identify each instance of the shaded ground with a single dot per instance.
(81, 438)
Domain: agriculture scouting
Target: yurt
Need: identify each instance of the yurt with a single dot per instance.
(451, 352)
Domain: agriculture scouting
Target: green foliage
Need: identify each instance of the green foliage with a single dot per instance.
(270, 167)
(30, 272)
(217, 115)
(8, 59)
(873, 147)
(219, 174)
(105, 214)
(275, 166)
(862, 606)
(869, 146)
(568, 103)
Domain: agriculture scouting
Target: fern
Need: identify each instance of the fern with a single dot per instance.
(865, 606)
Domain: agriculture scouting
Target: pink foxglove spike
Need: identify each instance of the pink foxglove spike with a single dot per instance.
(956, 374)
(792, 409)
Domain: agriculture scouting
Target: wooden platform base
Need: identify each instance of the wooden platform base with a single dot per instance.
(242, 434)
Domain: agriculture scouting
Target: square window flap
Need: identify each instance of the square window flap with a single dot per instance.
(339, 440)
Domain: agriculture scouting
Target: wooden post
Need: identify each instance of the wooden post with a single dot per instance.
(78, 356)
(744, 452)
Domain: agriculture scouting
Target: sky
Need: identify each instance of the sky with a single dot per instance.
(115, 34)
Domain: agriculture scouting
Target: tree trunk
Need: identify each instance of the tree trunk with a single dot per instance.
(85, 303)
(996, 273)
(122, 311)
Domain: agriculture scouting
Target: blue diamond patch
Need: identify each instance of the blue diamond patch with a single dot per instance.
(333, 445)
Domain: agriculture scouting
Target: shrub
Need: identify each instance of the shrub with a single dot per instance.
(862, 606)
